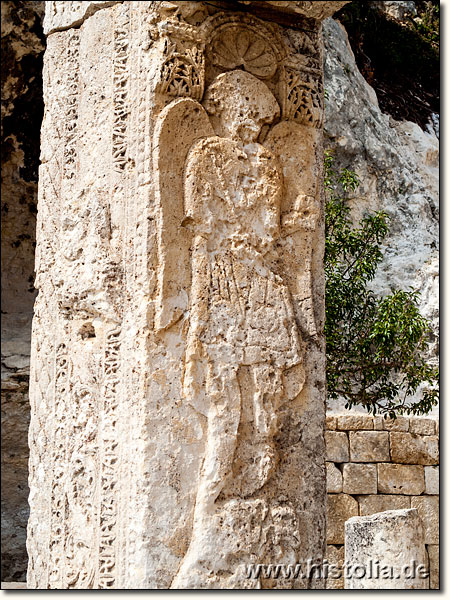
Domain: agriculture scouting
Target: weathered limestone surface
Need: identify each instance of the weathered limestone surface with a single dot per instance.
(177, 373)
(330, 423)
(397, 424)
(334, 479)
(433, 557)
(335, 557)
(369, 446)
(340, 507)
(378, 486)
(431, 480)
(400, 479)
(359, 478)
(428, 509)
(412, 449)
(394, 539)
(422, 426)
(369, 505)
(313, 10)
(63, 15)
(354, 422)
(337, 446)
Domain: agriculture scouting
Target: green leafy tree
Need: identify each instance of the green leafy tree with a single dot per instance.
(376, 347)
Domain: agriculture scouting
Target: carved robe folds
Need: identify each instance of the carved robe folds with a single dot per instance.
(178, 377)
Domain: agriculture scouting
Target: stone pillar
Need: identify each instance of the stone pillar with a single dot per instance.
(177, 372)
(386, 551)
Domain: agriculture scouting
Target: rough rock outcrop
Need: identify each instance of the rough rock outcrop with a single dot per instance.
(397, 163)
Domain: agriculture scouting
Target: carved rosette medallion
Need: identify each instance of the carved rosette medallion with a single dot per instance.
(235, 47)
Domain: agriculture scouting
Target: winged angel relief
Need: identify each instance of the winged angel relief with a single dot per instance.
(242, 337)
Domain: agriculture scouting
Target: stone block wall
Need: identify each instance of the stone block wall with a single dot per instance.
(375, 465)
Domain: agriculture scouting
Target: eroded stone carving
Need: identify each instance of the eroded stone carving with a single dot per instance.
(182, 70)
(180, 249)
(242, 335)
(235, 46)
(303, 96)
(121, 73)
(109, 462)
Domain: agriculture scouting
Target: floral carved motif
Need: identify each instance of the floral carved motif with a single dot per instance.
(182, 71)
(303, 97)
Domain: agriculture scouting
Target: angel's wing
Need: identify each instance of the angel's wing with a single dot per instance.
(178, 127)
(300, 211)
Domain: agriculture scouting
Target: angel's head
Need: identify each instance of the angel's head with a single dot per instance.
(239, 105)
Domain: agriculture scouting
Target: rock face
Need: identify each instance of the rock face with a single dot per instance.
(21, 114)
(397, 164)
(398, 9)
(386, 551)
(177, 374)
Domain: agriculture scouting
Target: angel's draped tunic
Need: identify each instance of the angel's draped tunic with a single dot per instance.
(241, 311)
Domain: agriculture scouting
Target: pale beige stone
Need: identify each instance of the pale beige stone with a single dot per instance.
(335, 557)
(431, 480)
(369, 446)
(354, 422)
(369, 505)
(334, 479)
(387, 541)
(330, 423)
(400, 479)
(412, 449)
(378, 422)
(13, 585)
(337, 449)
(62, 15)
(433, 555)
(422, 426)
(437, 427)
(428, 509)
(177, 428)
(316, 9)
(398, 424)
(360, 478)
(340, 508)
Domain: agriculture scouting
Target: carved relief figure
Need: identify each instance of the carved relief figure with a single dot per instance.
(242, 337)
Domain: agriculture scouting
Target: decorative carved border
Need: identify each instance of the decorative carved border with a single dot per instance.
(109, 456)
(71, 118)
(120, 86)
